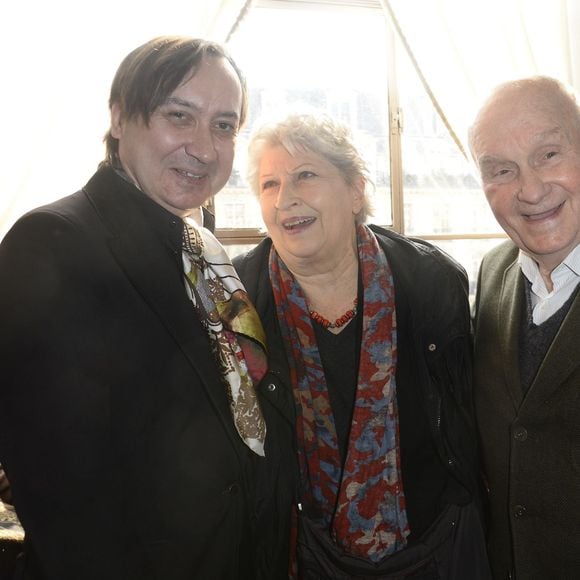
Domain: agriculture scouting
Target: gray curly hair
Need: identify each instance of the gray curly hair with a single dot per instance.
(319, 134)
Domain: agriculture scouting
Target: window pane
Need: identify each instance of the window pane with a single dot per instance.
(329, 59)
(233, 250)
(441, 191)
(469, 254)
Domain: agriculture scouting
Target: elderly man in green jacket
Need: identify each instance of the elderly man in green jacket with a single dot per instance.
(526, 143)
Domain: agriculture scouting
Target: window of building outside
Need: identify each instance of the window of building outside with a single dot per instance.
(342, 58)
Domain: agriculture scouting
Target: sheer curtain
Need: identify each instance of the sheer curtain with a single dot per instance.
(463, 48)
(58, 61)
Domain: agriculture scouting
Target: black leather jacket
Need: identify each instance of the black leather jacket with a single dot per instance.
(434, 362)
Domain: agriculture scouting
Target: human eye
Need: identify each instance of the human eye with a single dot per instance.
(547, 156)
(226, 127)
(306, 174)
(268, 185)
(502, 175)
(177, 116)
(498, 172)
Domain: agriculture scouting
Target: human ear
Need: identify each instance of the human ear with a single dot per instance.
(358, 190)
(116, 121)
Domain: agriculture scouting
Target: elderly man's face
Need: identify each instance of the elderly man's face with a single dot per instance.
(529, 158)
(185, 154)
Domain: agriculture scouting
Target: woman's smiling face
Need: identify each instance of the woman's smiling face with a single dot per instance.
(307, 205)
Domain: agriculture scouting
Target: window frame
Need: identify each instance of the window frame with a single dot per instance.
(395, 114)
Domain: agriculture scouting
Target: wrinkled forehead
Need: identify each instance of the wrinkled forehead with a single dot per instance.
(516, 114)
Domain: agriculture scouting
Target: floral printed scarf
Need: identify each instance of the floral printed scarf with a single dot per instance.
(233, 326)
(362, 503)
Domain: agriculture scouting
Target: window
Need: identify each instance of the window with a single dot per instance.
(343, 58)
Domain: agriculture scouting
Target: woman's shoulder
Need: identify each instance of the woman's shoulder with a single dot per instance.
(428, 282)
(405, 251)
(258, 253)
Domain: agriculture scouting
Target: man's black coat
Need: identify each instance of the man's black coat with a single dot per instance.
(115, 429)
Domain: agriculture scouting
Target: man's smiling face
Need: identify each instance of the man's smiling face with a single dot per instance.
(185, 153)
(528, 153)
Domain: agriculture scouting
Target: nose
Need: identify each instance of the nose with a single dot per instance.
(533, 188)
(286, 196)
(200, 144)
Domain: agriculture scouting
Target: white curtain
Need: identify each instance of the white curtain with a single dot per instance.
(58, 61)
(463, 48)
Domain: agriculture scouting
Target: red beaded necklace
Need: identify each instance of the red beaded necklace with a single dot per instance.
(340, 321)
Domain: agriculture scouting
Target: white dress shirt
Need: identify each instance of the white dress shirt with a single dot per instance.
(565, 278)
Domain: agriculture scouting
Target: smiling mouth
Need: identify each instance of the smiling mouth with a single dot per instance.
(543, 215)
(189, 175)
(293, 224)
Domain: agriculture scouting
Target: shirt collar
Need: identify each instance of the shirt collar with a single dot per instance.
(569, 267)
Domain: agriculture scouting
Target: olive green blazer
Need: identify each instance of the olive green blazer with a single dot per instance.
(530, 442)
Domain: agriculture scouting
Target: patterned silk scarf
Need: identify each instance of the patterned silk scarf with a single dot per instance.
(362, 504)
(234, 328)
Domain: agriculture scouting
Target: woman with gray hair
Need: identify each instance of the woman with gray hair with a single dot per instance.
(371, 462)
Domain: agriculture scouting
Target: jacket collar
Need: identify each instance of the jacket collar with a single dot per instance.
(560, 360)
(145, 240)
(509, 313)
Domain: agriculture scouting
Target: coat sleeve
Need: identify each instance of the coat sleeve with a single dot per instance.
(54, 404)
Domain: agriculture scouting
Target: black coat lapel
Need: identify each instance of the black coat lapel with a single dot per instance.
(147, 263)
